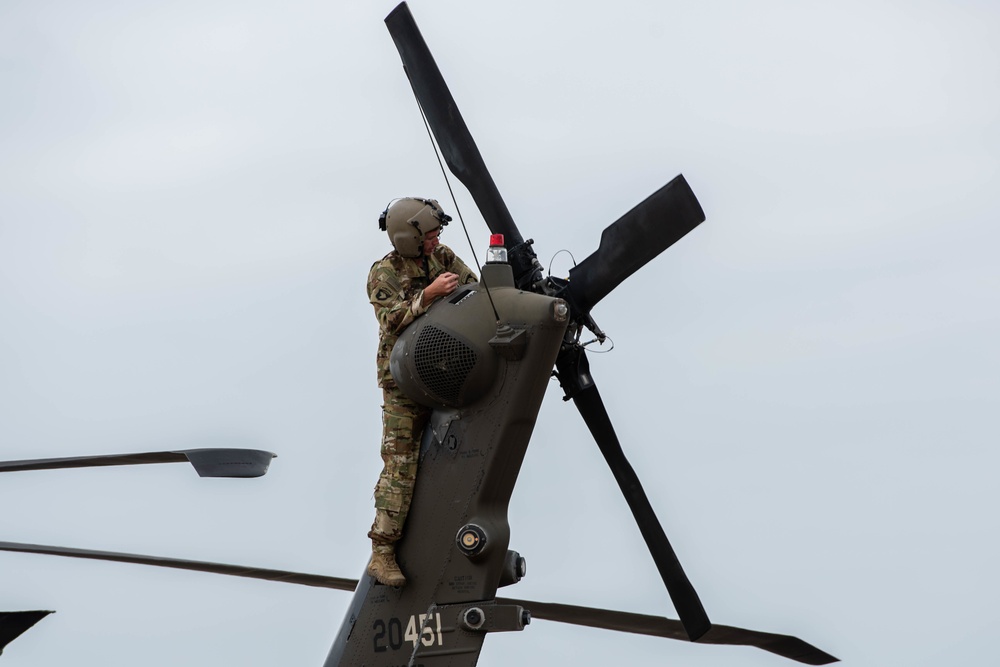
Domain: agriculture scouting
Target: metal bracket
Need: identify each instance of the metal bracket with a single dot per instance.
(486, 616)
(509, 343)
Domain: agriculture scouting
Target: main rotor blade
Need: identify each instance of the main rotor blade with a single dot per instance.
(303, 579)
(574, 375)
(207, 462)
(15, 623)
(633, 240)
(452, 134)
(658, 626)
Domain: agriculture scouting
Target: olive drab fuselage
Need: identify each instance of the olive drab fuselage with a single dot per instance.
(485, 381)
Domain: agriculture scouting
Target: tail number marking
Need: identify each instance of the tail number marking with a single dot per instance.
(389, 634)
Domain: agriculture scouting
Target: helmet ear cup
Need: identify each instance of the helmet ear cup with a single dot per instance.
(408, 244)
(381, 219)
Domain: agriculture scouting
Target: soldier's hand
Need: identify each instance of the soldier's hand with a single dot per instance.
(443, 285)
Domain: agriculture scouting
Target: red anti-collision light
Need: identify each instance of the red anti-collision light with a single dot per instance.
(496, 239)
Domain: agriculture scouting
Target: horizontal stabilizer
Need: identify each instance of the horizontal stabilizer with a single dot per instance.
(14, 623)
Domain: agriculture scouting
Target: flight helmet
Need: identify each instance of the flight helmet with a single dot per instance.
(408, 219)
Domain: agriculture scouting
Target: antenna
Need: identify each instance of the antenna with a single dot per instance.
(458, 211)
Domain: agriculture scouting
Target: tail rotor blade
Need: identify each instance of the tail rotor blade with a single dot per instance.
(452, 134)
(633, 240)
(574, 376)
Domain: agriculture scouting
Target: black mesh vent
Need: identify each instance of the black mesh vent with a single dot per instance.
(443, 363)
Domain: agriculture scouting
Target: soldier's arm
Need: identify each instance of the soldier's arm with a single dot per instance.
(393, 309)
(455, 265)
(443, 285)
(465, 274)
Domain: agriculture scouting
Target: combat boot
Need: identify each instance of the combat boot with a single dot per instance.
(384, 568)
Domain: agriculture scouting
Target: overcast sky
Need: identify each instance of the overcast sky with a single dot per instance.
(807, 383)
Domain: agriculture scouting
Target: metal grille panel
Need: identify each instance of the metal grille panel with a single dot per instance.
(443, 363)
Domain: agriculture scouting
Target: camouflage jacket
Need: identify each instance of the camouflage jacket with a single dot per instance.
(396, 290)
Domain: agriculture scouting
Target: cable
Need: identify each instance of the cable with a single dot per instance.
(599, 341)
(454, 201)
(557, 254)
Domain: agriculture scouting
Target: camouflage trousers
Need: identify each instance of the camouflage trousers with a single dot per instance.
(403, 424)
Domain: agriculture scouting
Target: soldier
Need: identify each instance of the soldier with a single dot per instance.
(401, 286)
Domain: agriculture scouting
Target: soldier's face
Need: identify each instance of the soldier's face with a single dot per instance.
(431, 240)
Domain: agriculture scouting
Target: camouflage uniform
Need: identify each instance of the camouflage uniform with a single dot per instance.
(395, 288)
